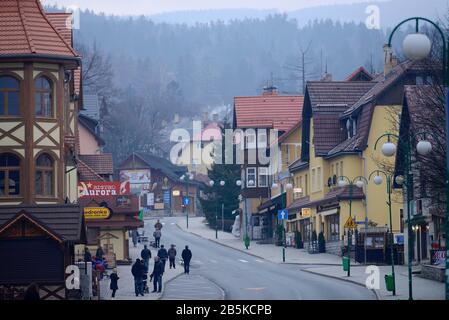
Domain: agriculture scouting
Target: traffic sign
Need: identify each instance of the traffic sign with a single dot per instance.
(350, 223)
(186, 201)
(283, 214)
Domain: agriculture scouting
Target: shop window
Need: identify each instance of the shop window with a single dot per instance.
(44, 97)
(333, 227)
(44, 176)
(9, 96)
(9, 175)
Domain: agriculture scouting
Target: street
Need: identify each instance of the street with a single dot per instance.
(242, 276)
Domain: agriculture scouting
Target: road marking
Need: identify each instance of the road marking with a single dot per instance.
(255, 289)
(244, 261)
(172, 223)
(258, 260)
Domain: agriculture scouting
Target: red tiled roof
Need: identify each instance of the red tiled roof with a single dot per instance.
(25, 29)
(268, 111)
(86, 173)
(361, 74)
(100, 163)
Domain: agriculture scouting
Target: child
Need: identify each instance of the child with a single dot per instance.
(114, 282)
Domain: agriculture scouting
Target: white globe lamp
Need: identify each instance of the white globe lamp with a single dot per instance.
(417, 46)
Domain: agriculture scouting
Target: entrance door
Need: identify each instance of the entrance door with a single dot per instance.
(423, 242)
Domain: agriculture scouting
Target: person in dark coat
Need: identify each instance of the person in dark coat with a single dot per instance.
(135, 237)
(32, 293)
(145, 254)
(99, 254)
(172, 256)
(163, 254)
(137, 271)
(186, 256)
(114, 282)
(158, 225)
(87, 255)
(157, 234)
(156, 275)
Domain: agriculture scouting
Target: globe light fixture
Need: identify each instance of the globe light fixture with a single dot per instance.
(275, 185)
(399, 180)
(211, 183)
(183, 177)
(289, 186)
(238, 183)
(388, 149)
(360, 183)
(417, 46)
(342, 183)
(222, 183)
(378, 180)
(424, 147)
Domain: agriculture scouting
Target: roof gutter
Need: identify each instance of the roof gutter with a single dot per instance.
(45, 57)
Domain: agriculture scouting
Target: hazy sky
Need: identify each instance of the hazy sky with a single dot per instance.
(133, 7)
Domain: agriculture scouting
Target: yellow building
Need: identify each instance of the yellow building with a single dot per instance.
(342, 121)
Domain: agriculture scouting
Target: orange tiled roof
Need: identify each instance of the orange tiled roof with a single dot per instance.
(268, 111)
(25, 29)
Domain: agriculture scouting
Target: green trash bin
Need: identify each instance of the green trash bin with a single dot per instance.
(389, 282)
(345, 263)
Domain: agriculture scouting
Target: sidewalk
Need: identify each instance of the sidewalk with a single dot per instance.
(126, 281)
(323, 264)
(265, 251)
(423, 289)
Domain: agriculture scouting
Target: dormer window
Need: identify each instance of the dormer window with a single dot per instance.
(351, 127)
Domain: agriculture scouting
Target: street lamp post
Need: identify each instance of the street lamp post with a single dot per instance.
(288, 186)
(378, 181)
(187, 179)
(389, 149)
(342, 182)
(418, 46)
(222, 184)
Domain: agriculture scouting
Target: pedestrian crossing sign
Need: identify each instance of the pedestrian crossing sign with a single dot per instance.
(350, 223)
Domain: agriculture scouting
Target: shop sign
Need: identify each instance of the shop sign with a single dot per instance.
(102, 189)
(438, 257)
(306, 212)
(96, 213)
(123, 201)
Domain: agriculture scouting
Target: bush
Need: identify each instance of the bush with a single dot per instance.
(280, 235)
(321, 243)
(298, 240)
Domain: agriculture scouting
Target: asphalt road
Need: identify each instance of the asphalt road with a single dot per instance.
(243, 276)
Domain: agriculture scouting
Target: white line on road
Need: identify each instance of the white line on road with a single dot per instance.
(258, 260)
(244, 261)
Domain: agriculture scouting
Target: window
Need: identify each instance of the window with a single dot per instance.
(9, 175)
(333, 227)
(9, 96)
(44, 176)
(263, 177)
(313, 180)
(341, 168)
(306, 185)
(250, 139)
(262, 140)
(44, 97)
(337, 170)
(319, 177)
(250, 177)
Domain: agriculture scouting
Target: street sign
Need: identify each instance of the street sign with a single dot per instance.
(283, 214)
(306, 212)
(350, 223)
(186, 201)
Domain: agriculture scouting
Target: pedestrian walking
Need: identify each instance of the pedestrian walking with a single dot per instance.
(137, 271)
(100, 253)
(32, 293)
(114, 282)
(172, 256)
(135, 237)
(163, 254)
(145, 254)
(156, 275)
(87, 255)
(157, 234)
(186, 256)
(158, 225)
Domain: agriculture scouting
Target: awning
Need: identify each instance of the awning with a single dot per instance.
(329, 212)
(272, 203)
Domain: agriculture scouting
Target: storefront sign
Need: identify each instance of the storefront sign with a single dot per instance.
(136, 176)
(96, 213)
(306, 212)
(176, 193)
(102, 189)
(150, 199)
(438, 257)
(123, 201)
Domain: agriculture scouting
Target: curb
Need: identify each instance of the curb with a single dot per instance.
(166, 283)
(378, 297)
(255, 255)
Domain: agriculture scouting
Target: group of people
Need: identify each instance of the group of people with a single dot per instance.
(140, 268)
(99, 262)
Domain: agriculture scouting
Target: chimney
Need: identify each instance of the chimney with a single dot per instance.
(270, 91)
(327, 77)
(205, 116)
(215, 117)
(176, 118)
(390, 60)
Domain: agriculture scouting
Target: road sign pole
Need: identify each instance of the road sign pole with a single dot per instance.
(349, 230)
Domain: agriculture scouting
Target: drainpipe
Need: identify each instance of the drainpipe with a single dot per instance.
(366, 204)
